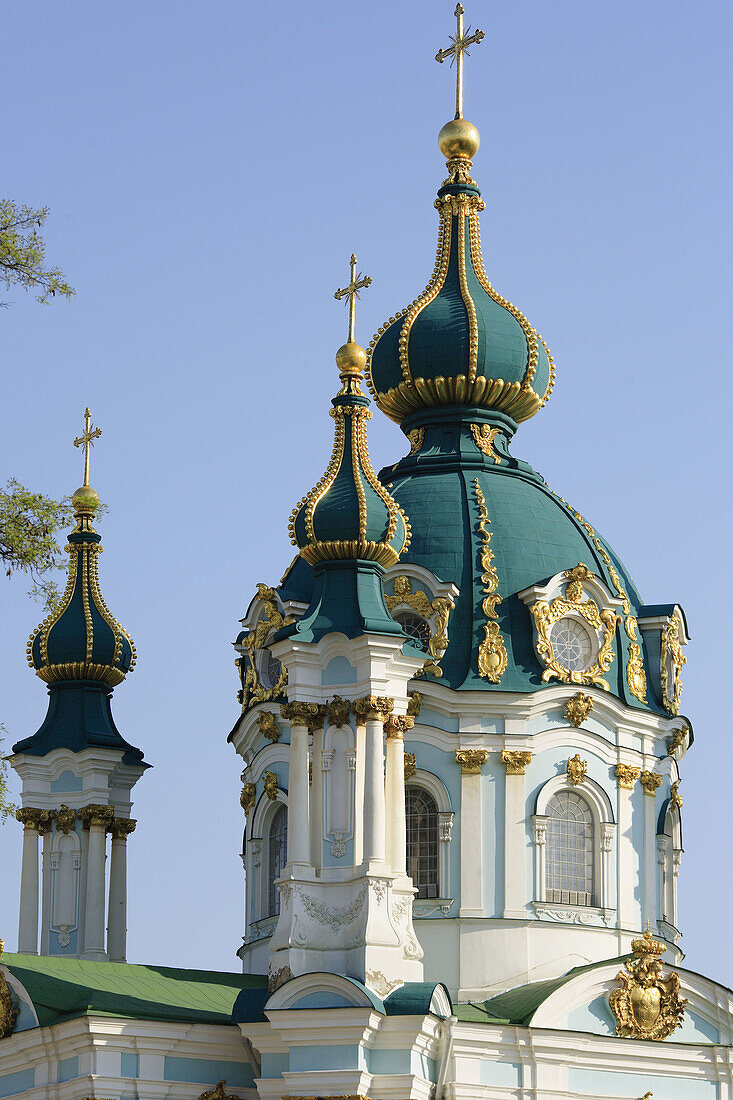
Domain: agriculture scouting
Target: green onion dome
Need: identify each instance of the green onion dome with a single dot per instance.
(81, 640)
(460, 342)
(349, 515)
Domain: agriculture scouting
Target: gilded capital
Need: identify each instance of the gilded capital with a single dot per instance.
(471, 760)
(516, 761)
(96, 815)
(268, 726)
(34, 819)
(298, 713)
(627, 775)
(577, 769)
(373, 708)
(651, 782)
(397, 725)
(121, 827)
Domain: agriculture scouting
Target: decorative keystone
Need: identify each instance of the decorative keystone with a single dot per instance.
(577, 769)
(270, 781)
(651, 782)
(268, 726)
(248, 797)
(373, 708)
(410, 765)
(627, 775)
(516, 761)
(338, 711)
(471, 760)
(578, 708)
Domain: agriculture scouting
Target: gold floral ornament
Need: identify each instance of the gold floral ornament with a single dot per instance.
(270, 782)
(677, 740)
(270, 621)
(578, 708)
(675, 798)
(8, 1011)
(635, 674)
(577, 769)
(492, 654)
(471, 760)
(268, 726)
(672, 661)
(248, 797)
(516, 761)
(218, 1093)
(435, 612)
(651, 782)
(416, 438)
(410, 765)
(602, 621)
(647, 1005)
(626, 775)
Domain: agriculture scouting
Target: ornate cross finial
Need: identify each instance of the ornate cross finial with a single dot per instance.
(87, 441)
(357, 283)
(461, 42)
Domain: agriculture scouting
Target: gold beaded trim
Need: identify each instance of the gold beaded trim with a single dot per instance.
(310, 500)
(437, 281)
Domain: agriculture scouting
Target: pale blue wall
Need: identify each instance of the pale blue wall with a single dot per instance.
(12, 1083)
(130, 1065)
(67, 783)
(205, 1071)
(338, 671)
(68, 1068)
(348, 1056)
(500, 1074)
(592, 1082)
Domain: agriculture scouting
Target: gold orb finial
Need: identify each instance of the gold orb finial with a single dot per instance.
(459, 139)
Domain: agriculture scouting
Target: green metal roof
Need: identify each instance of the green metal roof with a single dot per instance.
(62, 989)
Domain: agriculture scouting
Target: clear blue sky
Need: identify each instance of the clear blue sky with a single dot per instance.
(210, 167)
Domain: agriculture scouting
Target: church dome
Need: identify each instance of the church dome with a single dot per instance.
(459, 342)
(82, 640)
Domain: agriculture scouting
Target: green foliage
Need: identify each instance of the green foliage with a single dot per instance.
(22, 252)
(6, 806)
(29, 524)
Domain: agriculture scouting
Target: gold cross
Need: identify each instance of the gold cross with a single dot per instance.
(87, 441)
(358, 282)
(461, 42)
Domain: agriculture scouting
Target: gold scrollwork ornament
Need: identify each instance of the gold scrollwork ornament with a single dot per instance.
(578, 708)
(272, 619)
(672, 659)
(603, 621)
(647, 1005)
(435, 611)
(577, 769)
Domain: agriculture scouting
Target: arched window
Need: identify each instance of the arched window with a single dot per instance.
(570, 850)
(422, 842)
(277, 857)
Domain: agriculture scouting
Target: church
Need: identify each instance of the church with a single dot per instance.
(462, 741)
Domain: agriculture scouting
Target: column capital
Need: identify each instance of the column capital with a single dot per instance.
(651, 782)
(627, 775)
(121, 827)
(34, 819)
(516, 761)
(300, 713)
(373, 708)
(471, 760)
(96, 815)
(397, 725)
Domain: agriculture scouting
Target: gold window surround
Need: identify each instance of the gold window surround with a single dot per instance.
(416, 589)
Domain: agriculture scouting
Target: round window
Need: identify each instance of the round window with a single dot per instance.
(572, 645)
(415, 627)
(269, 669)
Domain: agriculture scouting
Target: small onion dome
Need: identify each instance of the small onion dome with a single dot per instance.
(459, 342)
(82, 640)
(349, 515)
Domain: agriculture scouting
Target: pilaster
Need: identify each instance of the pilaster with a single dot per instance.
(471, 762)
(515, 837)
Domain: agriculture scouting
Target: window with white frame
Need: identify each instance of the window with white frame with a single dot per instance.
(423, 863)
(277, 857)
(570, 850)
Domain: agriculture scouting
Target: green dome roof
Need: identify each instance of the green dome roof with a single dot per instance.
(459, 342)
(349, 515)
(82, 640)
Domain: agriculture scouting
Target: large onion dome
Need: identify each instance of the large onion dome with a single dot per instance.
(82, 640)
(460, 342)
(349, 514)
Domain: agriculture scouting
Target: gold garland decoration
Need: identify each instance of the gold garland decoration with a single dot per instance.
(492, 654)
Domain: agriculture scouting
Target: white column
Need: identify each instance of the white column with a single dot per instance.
(96, 818)
(301, 716)
(29, 881)
(117, 911)
(316, 800)
(539, 824)
(45, 892)
(373, 712)
(471, 761)
(515, 832)
(396, 728)
(628, 860)
(650, 782)
(608, 832)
